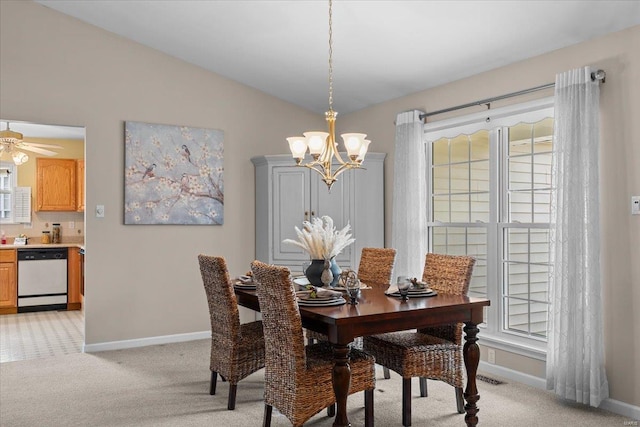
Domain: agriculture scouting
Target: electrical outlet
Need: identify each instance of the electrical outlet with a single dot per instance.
(72, 224)
(28, 225)
(491, 356)
(635, 205)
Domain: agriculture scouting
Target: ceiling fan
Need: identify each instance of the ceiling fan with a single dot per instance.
(14, 144)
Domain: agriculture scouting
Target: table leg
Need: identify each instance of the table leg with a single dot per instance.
(341, 381)
(471, 354)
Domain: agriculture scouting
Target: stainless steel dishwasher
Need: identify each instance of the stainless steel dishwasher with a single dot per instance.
(42, 279)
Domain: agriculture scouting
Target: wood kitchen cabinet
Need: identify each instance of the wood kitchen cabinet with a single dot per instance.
(287, 195)
(8, 284)
(74, 279)
(56, 184)
(80, 185)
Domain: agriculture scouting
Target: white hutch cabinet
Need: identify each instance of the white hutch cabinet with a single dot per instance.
(287, 195)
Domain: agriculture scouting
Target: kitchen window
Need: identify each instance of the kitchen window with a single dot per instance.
(15, 202)
(8, 180)
(489, 195)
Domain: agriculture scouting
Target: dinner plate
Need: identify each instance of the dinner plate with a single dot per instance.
(302, 281)
(416, 294)
(321, 303)
(248, 286)
(305, 296)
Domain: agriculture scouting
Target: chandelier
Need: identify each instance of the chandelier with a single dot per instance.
(322, 145)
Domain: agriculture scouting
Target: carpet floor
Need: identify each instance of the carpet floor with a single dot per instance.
(168, 385)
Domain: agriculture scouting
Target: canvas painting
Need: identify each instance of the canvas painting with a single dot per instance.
(173, 175)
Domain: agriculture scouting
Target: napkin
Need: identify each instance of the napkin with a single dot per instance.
(392, 290)
(322, 293)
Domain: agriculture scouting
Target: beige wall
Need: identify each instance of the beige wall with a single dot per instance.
(618, 54)
(40, 221)
(142, 281)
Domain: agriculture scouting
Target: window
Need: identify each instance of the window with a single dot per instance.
(489, 195)
(8, 180)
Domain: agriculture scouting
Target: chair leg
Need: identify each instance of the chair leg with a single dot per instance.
(406, 402)
(460, 400)
(387, 374)
(231, 405)
(214, 381)
(423, 387)
(331, 410)
(368, 408)
(266, 422)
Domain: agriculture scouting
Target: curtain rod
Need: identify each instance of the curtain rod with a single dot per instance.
(596, 75)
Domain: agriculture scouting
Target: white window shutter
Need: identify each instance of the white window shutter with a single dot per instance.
(22, 204)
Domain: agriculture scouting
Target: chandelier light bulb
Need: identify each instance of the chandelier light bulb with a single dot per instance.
(298, 146)
(316, 142)
(19, 158)
(353, 142)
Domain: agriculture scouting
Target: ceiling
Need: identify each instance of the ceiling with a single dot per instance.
(381, 49)
(32, 130)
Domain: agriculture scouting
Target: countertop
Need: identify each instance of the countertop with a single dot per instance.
(39, 245)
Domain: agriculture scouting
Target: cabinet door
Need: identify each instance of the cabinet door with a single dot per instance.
(290, 208)
(336, 204)
(56, 183)
(80, 185)
(8, 284)
(74, 299)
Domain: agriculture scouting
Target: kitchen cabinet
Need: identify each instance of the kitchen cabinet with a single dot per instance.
(80, 185)
(56, 184)
(74, 279)
(287, 195)
(8, 283)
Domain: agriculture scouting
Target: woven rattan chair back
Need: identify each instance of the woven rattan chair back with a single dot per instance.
(448, 274)
(376, 265)
(223, 307)
(236, 350)
(284, 350)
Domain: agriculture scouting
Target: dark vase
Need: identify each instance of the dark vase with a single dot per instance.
(314, 272)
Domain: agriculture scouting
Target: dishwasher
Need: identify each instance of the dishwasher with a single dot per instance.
(42, 279)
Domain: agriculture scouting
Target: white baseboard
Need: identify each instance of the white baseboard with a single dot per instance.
(611, 405)
(142, 342)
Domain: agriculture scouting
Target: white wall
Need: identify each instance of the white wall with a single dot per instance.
(619, 55)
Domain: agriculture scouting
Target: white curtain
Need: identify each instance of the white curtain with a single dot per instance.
(409, 215)
(575, 355)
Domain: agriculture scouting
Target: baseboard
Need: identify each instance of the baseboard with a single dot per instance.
(611, 405)
(142, 342)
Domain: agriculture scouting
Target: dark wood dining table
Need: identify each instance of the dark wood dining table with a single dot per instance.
(378, 313)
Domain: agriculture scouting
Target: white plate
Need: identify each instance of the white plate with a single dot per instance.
(302, 281)
(321, 303)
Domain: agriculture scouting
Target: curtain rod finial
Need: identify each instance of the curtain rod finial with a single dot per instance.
(598, 75)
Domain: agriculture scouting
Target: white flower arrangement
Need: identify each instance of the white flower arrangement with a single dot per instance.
(320, 239)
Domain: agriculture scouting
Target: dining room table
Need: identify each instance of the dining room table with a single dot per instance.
(377, 312)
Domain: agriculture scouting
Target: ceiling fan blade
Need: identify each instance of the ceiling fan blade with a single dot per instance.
(37, 150)
(37, 144)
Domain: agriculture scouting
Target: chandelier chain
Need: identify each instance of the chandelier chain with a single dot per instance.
(330, 59)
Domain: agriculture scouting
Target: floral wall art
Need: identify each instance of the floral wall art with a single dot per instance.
(173, 174)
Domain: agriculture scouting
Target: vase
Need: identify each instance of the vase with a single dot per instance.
(315, 270)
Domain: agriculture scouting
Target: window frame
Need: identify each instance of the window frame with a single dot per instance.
(13, 183)
(494, 332)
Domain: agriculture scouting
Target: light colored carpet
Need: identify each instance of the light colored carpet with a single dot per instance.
(168, 385)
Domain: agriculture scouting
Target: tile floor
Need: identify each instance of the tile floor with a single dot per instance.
(40, 334)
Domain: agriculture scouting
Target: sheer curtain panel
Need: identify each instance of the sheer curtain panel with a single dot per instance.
(575, 354)
(409, 217)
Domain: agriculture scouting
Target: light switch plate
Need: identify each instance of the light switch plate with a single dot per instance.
(99, 211)
(635, 205)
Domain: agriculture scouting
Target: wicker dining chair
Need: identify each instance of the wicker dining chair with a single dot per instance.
(298, 378)
(237, 350)
(434, 352)
(376, 266)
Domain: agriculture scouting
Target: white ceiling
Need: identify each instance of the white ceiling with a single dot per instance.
(382, 49)
(32, 130)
